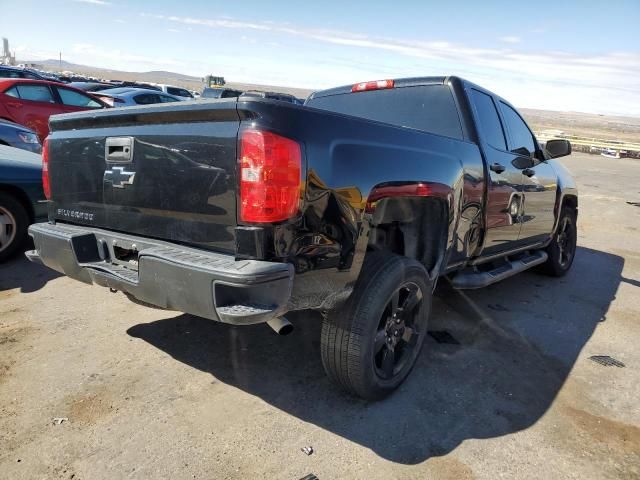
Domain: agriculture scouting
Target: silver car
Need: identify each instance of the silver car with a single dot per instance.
(129, 96)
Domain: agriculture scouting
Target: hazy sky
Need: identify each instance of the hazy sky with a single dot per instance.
(581, 56)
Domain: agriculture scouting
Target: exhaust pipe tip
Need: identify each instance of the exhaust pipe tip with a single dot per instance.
(280, 325)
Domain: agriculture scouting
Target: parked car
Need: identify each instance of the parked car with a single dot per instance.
(130, 84)
(32, 102)
(181, 93)
(17, 136)
(21, 197)
(7, 71)
(127, 96)
(217, 92)
(352, 205)
(283, 97)
(92, 86)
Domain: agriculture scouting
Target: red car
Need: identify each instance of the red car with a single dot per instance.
(32, 102)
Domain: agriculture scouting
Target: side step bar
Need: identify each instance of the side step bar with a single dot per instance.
(467, 280)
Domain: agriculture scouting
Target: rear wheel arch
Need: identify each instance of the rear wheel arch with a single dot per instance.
(414, 227)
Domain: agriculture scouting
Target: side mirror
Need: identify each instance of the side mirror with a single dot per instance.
(558, 148)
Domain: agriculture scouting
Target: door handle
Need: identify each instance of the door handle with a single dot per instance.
(14, 104)
(496, 167)
(529, 172)
(118, 149)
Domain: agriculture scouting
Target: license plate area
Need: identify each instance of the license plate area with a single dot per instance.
(91, 249)
(127, 257)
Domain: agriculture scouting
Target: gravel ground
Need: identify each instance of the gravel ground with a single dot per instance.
(510, 393)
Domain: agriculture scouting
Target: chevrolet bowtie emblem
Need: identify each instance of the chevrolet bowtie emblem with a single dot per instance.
(118, 177)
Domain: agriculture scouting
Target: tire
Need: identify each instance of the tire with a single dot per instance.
(14, 221)
(361, 340)
(562, 249)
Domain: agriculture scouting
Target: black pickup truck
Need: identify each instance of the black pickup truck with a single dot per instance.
(241, 210)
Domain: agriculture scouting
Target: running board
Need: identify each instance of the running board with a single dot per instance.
(476, 279)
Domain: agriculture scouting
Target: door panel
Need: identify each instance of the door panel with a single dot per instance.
(539, 202)
(539, 179)
(31, 106)
(504, 205)
(504, 193)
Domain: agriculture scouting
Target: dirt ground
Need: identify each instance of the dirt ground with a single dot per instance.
(511, 392)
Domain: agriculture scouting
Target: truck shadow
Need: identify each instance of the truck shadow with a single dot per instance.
(505, 354)
(18, 272)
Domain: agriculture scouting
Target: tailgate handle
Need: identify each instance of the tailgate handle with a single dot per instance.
(118, 149)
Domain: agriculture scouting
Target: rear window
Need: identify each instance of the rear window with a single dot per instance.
(430, 108)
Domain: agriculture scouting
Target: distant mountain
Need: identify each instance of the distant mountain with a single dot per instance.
(155, 76)
(583, 124)
(57, 64)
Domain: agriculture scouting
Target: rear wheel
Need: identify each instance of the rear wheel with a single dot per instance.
(14, 221)
(562, 248)
(370, 345)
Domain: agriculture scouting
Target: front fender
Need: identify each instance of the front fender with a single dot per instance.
(567, 187)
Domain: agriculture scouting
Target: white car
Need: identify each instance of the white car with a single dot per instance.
(128, 96)
(179, 92)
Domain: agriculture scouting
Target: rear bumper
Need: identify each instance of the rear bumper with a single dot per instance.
(202, 283)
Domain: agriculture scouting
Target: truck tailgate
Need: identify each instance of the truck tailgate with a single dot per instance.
(167, 172)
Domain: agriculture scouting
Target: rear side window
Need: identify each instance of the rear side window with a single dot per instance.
(35, 93)
(76, 99)
(430, 108)
(520, 137)
(12, 92)
(488, 120)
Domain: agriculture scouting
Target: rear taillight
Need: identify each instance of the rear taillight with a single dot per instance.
(46, 184)
(270, 170)
(375, 85)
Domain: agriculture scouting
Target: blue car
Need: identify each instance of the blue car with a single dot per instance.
(17, 136)
(7, 71)
(21, 197)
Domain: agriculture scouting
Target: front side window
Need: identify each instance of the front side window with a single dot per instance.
(77, 99)
(180, 92)
(520, 137)
(35, 93)
(488, 120)
(168, 99)
(147, 99)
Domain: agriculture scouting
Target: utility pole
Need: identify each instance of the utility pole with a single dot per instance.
(60, 60)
